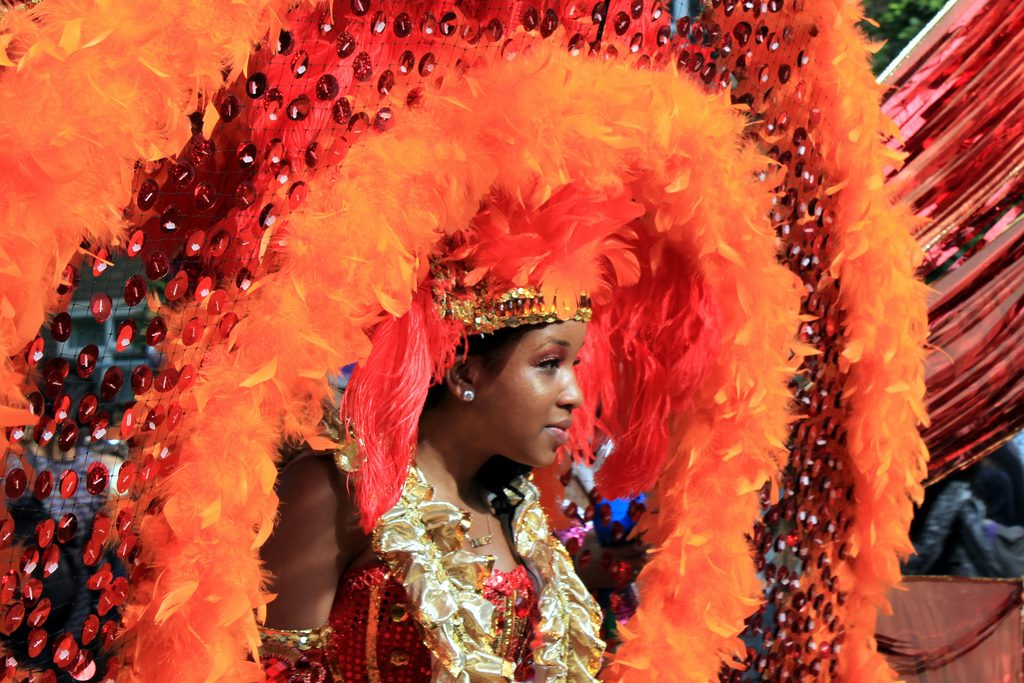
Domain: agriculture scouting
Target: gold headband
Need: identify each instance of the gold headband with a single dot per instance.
(516, 307)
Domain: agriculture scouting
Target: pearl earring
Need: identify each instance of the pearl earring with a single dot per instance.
(468, 395)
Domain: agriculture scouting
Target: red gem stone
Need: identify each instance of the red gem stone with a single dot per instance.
(34, 351)
(86, 364)
(194, 242)
(345, 44)
(428, 24)
(126, 334)
(100, 306)
(129, 423)
(312, 156)
(67, 439)
(203, 287)
(327, 87)
(90, 629)
(204, 196)
(362, 67)
(157, 265)
(167, 379)
(297, 194)
(70, 279)
(227, 323)
(65, 652)
(142, 380)
(97, 476)
(68, 484)
(176, 287)
(230, 108)
(427, 64)
(406, 62)
(60, 327)
(495, 30)
(51, 557)
(341, 112)
(134, 290)
(200, 150)
(100, 425)
(147, 194)
(41, 613)
(256, 85)
(298, 109)
(100, 262)
(135, 242)
(384, 119)
(549, 24)
(300, 64)
(531, 19)
(101, 579)
(15, 483)
(12, 619)
(92, 552)
(36, 642)
(45, 530)
(156, 331)
(386, 82)
(125, 479)
(402, 25)
(192, 332)
(182, 174)
(68, 524)
(447, 24)
(359, 123)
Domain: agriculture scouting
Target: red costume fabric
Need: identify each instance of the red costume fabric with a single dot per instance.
(376, 638)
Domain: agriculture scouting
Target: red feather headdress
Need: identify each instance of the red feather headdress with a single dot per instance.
(515, 264)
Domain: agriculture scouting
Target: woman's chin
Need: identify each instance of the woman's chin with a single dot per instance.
(544, 459)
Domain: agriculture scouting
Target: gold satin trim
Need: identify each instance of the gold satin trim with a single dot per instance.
(372, 670)
(422, 542)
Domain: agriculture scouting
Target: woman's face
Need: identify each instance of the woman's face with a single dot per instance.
(524, 398)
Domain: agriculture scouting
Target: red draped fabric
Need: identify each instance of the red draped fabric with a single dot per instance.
(926, 642)
(959, 101)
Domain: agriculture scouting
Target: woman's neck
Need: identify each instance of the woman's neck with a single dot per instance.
(448, 460)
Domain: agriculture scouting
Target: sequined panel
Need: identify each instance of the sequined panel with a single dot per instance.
(376, 636)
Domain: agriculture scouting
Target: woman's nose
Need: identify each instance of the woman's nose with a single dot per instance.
(571, 396)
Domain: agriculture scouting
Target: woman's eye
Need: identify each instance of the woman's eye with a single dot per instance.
(550, 363)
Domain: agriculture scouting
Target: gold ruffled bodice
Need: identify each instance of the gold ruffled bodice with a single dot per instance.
(422, 541)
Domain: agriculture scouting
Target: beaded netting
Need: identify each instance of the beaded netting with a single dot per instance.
(210, 206)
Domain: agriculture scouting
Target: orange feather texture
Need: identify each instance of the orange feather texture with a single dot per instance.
(574, 242)
(579, 133)
(82, 98)
(662, 337)
(385, 397)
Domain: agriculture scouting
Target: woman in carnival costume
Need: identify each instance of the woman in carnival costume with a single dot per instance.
(467, 198)
(420, 549)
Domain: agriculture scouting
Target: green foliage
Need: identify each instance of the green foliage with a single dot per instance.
(900, 21)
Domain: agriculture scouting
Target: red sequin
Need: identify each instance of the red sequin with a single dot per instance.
(400, 652)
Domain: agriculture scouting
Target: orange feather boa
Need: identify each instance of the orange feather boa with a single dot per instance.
(602, 127)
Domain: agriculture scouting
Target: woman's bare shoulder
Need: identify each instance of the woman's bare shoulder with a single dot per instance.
(317, 536)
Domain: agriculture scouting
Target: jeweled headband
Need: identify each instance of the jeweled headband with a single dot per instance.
(513, 308)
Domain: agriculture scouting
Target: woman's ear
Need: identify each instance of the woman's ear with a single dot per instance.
(461, 378)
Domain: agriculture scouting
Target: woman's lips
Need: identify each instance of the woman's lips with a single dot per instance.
(560, 435)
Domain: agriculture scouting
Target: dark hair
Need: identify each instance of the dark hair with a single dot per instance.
(498, 473)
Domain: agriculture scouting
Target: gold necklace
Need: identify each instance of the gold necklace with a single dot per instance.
(479, 541)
